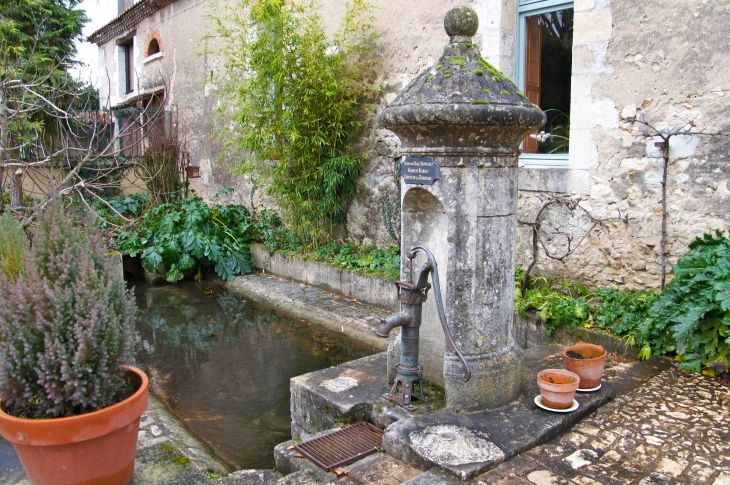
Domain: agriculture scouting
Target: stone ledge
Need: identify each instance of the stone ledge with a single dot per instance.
(319, 404)
(367, 289)
(530, 331)
(352, 319)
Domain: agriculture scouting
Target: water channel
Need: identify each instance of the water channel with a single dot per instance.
(222, 363)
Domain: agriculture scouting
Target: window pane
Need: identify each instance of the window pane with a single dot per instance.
(548, 61)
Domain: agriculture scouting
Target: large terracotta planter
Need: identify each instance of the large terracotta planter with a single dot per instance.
(557, 387)
(590, 367)
(97, 448)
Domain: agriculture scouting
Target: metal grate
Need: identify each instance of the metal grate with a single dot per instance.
(343, 446)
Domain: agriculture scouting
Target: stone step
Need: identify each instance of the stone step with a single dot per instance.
(336, 396)
(468, 444)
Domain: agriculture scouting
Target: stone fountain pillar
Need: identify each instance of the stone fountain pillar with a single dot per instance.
(461, 123)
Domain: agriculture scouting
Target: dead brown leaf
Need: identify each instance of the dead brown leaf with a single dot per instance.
(340, 472)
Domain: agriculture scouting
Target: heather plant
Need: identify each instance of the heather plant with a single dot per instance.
(13, 247)
(66, 326)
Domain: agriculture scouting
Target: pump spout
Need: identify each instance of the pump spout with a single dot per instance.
(400, 319)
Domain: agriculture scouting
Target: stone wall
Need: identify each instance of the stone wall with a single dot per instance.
(664, 60)
(662, 64)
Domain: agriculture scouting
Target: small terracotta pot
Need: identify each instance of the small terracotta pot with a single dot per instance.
(97, 448)
(557, 387)
(590, 368)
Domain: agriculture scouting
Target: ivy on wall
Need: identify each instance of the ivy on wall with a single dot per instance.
(295, 101)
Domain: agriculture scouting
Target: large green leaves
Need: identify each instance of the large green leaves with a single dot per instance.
(692, 315)
(174, 238)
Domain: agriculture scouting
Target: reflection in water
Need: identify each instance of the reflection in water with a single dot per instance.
(223, 365)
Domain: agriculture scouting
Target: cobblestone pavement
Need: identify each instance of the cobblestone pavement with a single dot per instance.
(673, 430)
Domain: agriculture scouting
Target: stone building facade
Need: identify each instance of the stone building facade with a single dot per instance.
(663, 62)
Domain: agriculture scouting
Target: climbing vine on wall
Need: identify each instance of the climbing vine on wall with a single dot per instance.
(560, 226)
(294, 102)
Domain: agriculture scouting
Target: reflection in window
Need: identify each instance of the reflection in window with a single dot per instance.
(548, 59)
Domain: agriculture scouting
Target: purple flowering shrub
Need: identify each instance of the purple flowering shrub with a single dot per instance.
(67, 325)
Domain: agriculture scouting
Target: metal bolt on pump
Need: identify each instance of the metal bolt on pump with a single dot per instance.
(412, 294)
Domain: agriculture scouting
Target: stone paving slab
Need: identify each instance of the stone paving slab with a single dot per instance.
(433, 477)
(674, 429)
(334, 312)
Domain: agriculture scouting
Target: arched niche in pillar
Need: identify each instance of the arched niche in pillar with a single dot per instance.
(425, 223)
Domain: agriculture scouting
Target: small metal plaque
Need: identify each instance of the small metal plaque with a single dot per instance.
(420, 170)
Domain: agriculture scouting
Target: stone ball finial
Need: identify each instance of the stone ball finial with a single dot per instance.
(461, 22)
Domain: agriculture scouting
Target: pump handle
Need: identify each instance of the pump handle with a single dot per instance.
(440, 304)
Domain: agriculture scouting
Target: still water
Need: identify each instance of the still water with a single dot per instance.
(222, 363)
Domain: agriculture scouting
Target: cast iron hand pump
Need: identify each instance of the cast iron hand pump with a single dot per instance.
(411, 296)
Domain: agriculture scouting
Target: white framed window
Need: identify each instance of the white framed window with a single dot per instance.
(544, 67)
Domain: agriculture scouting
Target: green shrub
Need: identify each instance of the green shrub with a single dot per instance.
(622, 312)
(363, 259)
(130, 206)
(296, 101)
(692, 315)
(13, 247)
(270, 230)
(368, 260)
(565, 307)
(177, 237)
(67, 325)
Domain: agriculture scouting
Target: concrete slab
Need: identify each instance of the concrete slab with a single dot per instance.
(375, 469)
(298, 478)
(250, 477)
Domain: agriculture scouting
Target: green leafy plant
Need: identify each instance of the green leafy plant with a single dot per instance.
(565, 307)
(177, 237)
(692, 315)
(67, 325)
(622, 312)
(295, 103)
(113, 210)
(368, 260)
(270, 230)
(13, 247)
(558, 126)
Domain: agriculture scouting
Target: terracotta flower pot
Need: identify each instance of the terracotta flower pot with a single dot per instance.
(590, 367)
(557, 387)
(97, 448)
